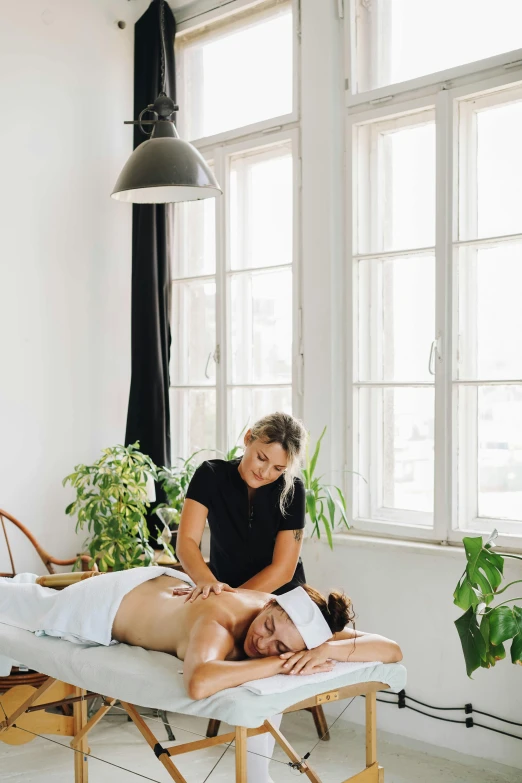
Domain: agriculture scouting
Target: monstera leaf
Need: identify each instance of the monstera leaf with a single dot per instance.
(483, 629)
(483, 574)
(506, 623)
(494, 652)
(473, 644)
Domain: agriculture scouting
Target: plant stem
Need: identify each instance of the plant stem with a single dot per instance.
(491, 609)
(516, 582)
(515, 557)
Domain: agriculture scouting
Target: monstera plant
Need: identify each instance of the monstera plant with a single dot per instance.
(484, 628)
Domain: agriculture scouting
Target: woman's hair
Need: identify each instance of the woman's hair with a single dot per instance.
(290, 433)
(337, 609)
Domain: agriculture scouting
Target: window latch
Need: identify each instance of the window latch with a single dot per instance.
(212, 355)
(435, 349)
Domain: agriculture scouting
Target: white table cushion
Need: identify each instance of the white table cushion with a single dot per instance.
(154, 679)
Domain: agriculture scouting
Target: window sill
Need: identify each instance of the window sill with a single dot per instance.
(383, 543)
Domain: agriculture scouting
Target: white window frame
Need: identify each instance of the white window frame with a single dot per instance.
(441, 91)
(421, 84)
(219, 149)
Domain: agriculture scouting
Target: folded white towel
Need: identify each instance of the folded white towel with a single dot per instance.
(287, 682)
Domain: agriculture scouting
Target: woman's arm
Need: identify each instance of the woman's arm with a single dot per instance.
(284, 562)
(190, 532)
(206, 671)
(346, 646)
(350, 645)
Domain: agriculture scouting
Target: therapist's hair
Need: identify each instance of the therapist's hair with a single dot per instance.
(291, 434)
(337, 609)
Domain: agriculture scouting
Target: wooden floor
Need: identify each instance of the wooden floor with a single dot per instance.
(116, 741)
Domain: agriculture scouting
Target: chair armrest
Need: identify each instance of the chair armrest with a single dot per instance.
(59, 581)
(83, 558)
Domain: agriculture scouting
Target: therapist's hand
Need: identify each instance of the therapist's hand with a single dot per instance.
(204, 589)
(308, 661)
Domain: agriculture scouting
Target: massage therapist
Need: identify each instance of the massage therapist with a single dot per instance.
(255, 508)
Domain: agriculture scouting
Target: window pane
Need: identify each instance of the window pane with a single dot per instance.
(261, 224)
(193, 421)
(491, 417)
(246, 406)
(239, 73)
(260, 324)
(396, 448)
(396, 185)
(408, 441)
(499, 170)
(410, 38)
(490, 314)
(193, 325)
(396, 319)
(194, 238)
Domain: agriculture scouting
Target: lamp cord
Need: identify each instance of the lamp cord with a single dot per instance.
(163, 49)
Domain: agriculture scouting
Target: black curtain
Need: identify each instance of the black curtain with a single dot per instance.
(148, 417)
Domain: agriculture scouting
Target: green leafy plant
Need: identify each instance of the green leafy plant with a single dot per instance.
(174, 482)
(483, 628)
(112, 502)
(325, 503)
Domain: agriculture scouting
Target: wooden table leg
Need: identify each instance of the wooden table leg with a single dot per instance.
(81, 766)
(213, 727)
(371, 729)
(241, 754)
(320, 722)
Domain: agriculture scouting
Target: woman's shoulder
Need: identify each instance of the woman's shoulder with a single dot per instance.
(216, 467)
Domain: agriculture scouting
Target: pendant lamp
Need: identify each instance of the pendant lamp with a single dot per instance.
(165, 168)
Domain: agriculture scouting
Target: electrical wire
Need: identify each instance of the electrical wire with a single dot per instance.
(437, 717)
(504, 720)
(468, 708)
(498, 731)
(431, 707)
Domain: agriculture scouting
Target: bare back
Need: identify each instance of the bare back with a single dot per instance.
(150, 616)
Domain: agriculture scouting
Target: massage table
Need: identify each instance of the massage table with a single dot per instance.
(134, 676)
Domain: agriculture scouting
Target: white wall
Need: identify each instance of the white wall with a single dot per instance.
(66, 86)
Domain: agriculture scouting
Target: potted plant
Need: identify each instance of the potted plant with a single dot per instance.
(325, 503)
(484, 628)
(174, 482)
(112, 499)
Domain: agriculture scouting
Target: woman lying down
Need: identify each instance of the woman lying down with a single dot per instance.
(225, 640)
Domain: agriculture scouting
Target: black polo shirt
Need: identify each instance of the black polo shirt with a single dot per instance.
(242, 544)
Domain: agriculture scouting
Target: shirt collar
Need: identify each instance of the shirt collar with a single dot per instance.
(238, 481)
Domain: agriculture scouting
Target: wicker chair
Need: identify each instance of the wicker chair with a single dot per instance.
(48, 560)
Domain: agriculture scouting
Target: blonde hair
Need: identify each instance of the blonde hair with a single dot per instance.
(290, 433)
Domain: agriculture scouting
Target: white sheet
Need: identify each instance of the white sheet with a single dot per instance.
(152, 679)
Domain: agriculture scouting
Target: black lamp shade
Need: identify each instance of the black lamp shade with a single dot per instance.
(164, 170)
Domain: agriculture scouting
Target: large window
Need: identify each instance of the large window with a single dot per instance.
(436, 252)
(234, 274)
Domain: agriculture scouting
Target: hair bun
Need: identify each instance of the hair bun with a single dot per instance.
(340, 611)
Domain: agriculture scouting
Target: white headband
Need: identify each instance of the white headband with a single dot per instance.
(306, 616)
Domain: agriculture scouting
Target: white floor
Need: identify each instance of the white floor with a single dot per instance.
(117, 741)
